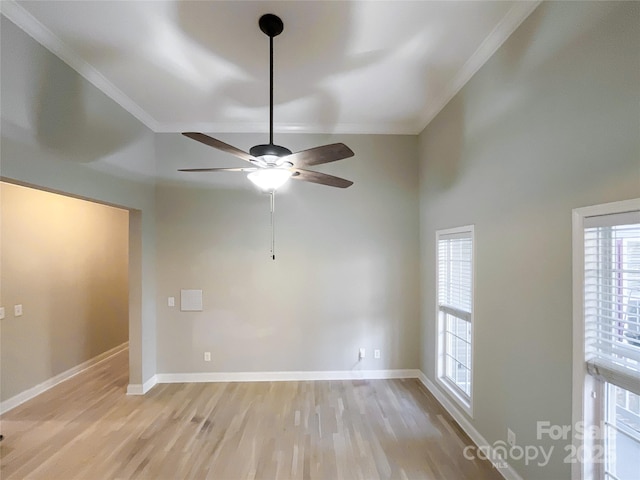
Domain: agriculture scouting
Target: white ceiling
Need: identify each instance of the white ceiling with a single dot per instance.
(341, 67)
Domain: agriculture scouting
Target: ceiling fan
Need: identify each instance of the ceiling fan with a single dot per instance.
(273, 165)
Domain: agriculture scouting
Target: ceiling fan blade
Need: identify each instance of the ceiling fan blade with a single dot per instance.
(322, 178)
(215, 143)
(319, 155)
(217, 169)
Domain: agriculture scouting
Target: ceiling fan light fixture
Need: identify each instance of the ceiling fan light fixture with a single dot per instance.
(270, 179)
(275, 164)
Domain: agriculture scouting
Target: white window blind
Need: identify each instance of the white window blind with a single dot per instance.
(612, 299)
(454, 274)
(455, 304)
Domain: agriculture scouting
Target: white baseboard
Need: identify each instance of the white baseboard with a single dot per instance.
(22, 397)
(506, 470)
(141, 389)
(284, 376)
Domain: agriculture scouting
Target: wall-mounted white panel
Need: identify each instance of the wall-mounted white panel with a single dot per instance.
(191, 300)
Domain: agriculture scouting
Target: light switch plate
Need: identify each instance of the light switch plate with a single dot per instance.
(17, 310)
(1, 313)
(171, 301)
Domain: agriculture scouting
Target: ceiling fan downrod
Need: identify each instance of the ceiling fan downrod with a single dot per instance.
(272, 26)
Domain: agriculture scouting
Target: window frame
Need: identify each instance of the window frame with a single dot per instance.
(588, 393)
(466, 403)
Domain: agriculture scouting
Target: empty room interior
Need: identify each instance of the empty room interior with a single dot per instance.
(323, 239)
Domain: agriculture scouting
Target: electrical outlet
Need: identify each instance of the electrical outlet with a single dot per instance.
(207, 356)
(17, 310)
(361, 354)
(376, 353)
(511, 437)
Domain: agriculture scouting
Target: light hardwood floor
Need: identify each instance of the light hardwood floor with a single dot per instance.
(87, 428)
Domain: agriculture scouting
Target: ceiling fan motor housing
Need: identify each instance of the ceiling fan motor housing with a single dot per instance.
(269, 149)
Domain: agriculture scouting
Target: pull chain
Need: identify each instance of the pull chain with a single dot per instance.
(273, 224)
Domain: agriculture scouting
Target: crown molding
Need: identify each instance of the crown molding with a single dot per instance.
(45, 37)
(518, 12)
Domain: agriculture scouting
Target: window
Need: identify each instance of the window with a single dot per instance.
(455, 312)
(607, 340)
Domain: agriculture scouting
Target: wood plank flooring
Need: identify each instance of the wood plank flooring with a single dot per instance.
(87, 428)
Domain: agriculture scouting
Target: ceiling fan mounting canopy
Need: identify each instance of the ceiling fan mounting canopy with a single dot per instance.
(271, 25)
(271, 161)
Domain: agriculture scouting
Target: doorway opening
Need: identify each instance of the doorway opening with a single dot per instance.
(65, 285)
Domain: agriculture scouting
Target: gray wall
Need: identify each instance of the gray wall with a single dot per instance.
(549, 124)
(65, 261)
(60, 133)
(345, 274)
